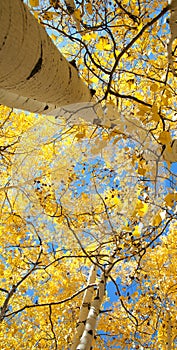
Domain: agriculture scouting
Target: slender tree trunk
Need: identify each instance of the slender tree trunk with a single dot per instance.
(173, 29)
(34, 75)
(169, 331)
(90, 324)
(85, 307)
(88, 333)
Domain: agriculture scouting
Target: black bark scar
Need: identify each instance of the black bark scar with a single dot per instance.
(70, 74)
(37, 67)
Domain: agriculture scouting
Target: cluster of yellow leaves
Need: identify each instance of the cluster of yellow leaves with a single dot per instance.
(103, 44)
(141, 208)
(151, 298)
(46, 196)
(112, 198)
(110, 219)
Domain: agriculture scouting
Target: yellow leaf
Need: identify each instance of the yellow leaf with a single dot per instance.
(92, 247)
(141, 208)
(77, 14)
(155, 113)
(36, 14)
(80, 135)
(116, 200)
(154, 87)
(93, 35)
(1, 269)
(127, 229)
(54, 37)
(49, 15)
(165, 138)
(84, 196)
(158, 218)
(99, 46)
(94, 80)
(164, 100)
(143, 109)
(136, 232)
(103, 43)
(99, 146)
(34, 3)
(134, 295)
(168, 93)
(123, 298)
(89, 8)
(170, 153)
(141, 170)
(86, 37)
(140, 26)
(170, 199)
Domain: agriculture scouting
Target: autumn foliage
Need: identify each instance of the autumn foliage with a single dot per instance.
(88, 229)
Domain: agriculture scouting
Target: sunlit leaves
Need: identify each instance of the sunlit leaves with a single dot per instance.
(155, 113)
(89, 9)
(78, 14)
(141, 208)
(74, 194)
(49, 15)
(136, 232)
(103, 44)
(165, 138)
(158, 218)
(170, 199)
(34, 3)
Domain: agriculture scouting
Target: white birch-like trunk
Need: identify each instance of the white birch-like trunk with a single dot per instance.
(34, 75)
(169, 331)
(85, 307)
(90, 325)
(173, 30)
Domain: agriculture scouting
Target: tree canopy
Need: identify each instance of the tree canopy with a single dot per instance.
(88, 195)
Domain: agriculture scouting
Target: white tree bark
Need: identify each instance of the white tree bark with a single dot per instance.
(90, 325)
(34, 75)
(85, 307)
(11, 99)
(95, 306)
(173, 30)
(169, 331)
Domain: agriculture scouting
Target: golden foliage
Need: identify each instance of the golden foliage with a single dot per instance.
(73, 195)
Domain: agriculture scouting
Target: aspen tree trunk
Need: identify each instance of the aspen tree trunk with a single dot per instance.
(90, 325)
(34, 75)
(85, 307)
(173, 29)
(169, 331)
(95, 306)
